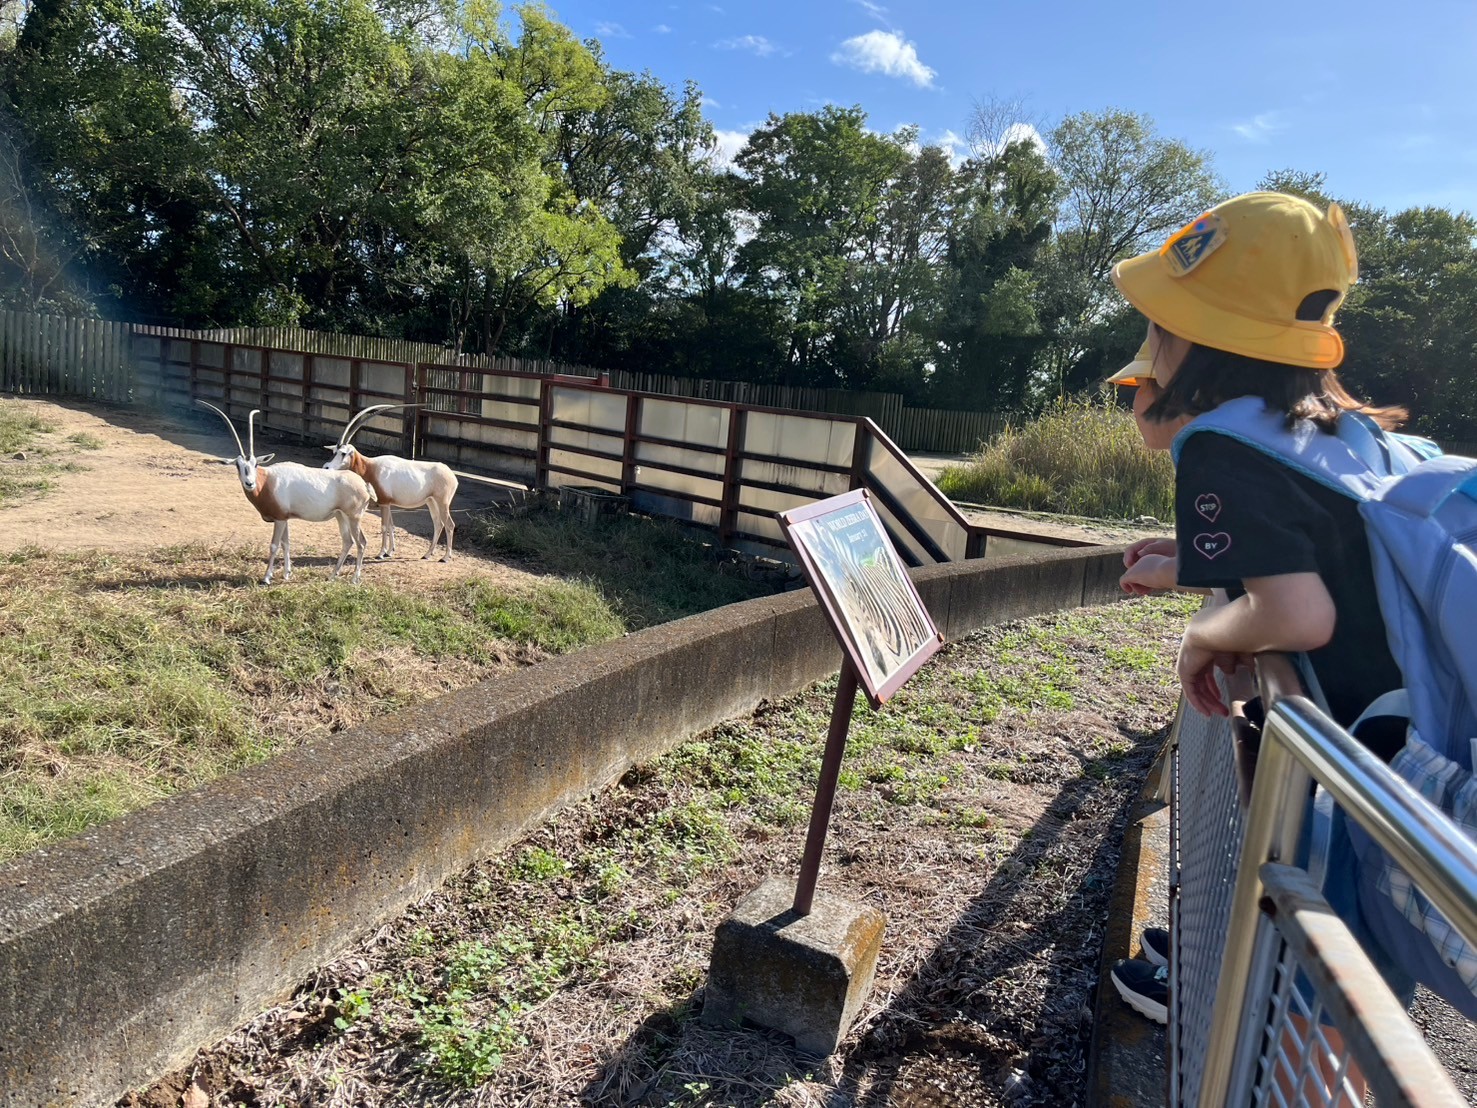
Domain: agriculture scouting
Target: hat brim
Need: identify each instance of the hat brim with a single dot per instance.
(1138, 371)
(1134, 373)
(1148, 285)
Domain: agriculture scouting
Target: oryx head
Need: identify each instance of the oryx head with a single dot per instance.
(344, 451)
(246, 460)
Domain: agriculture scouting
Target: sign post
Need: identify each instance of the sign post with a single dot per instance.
(885, 632)
(805, 965)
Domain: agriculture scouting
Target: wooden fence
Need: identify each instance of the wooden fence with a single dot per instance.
(56, 356)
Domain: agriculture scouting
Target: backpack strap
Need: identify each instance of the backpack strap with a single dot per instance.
(1367, 440)
(1354, 465)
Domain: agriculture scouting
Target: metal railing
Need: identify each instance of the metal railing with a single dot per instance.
(1247, 922)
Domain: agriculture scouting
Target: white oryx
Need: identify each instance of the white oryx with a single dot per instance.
(399, 483)
(288, 491)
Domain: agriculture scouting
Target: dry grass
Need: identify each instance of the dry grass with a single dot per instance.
(29, 448)
(1079, 458)
(125, 679)
(981, 810)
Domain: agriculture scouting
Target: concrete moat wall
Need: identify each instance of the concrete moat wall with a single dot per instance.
(125, 949)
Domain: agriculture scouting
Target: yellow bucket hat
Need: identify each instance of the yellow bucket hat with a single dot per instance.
(1235, 278)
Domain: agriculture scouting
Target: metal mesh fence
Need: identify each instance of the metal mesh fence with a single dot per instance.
(1206, 830)
(1301, 1060)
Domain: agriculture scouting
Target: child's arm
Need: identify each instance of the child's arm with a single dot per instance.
(1290, 612)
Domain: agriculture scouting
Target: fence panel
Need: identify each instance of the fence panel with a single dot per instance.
(44, 355)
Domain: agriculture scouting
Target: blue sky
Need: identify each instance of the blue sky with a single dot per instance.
(1380, 96)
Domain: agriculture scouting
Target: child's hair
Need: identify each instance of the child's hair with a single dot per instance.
(1208, 377)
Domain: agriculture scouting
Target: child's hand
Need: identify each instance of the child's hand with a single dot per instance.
(1162, 547)
(1150, 572)
(1196, 669)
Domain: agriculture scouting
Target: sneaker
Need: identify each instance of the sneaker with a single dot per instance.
(1155, 941)
(1145, 988)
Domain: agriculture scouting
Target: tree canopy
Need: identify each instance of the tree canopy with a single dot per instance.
(479, 177)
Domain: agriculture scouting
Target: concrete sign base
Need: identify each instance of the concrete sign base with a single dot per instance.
(804, 975)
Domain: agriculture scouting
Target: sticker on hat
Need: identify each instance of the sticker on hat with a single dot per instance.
(1193, 243)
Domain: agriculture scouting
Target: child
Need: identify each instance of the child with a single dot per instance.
(1241, 304)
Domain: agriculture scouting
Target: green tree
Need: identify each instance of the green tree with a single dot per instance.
(1125, 189)
(1408, 324)
(848, 228)
(988, 330)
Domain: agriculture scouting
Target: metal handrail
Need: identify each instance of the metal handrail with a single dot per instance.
(1301, 744)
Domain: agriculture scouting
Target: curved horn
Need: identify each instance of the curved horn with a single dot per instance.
(229, 424)
(251, 431)
(354, 424)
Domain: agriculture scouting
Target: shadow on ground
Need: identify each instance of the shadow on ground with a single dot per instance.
(998, 1012)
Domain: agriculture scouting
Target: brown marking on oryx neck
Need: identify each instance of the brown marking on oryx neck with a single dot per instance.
(264, 499)
(359, 464)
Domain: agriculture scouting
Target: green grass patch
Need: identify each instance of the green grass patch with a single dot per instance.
(120, 685)
(19, 428)
(21, 434)
(651, 571)
(1078, 458)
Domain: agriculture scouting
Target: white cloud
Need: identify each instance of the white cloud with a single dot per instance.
(1258, 128)
(709, 102)
(611, 30)
(884, 52)
(755, 44)
(876, 11)
(1023, 132)
(953, 145)
(662, 29)
(729, 144)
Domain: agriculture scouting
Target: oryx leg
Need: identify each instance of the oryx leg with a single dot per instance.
(348, 532)
(450, 528)
(363, 545)
(279, 530)
(287, 550)
(387, 532)
(436, 528)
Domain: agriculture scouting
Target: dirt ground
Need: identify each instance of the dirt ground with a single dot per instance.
(155, 481)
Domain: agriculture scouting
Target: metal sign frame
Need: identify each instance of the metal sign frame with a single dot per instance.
(842, 534)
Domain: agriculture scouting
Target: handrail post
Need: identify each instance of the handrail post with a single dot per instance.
(1273, 823)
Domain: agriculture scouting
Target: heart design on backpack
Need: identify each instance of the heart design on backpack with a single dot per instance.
(1212, 546)
(1208, 504)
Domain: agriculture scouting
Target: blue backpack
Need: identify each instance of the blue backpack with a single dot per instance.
(1420, 514)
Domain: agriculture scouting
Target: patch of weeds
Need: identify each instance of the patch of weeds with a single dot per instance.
(747, 768)
(970, 817)
(611, 878)
(650, 570)
(353, 1006)
(1139, 659)
(85, 441)
(469, 1029)
(19, 428)
(697, 832)
(538, 864)
(920, 788)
